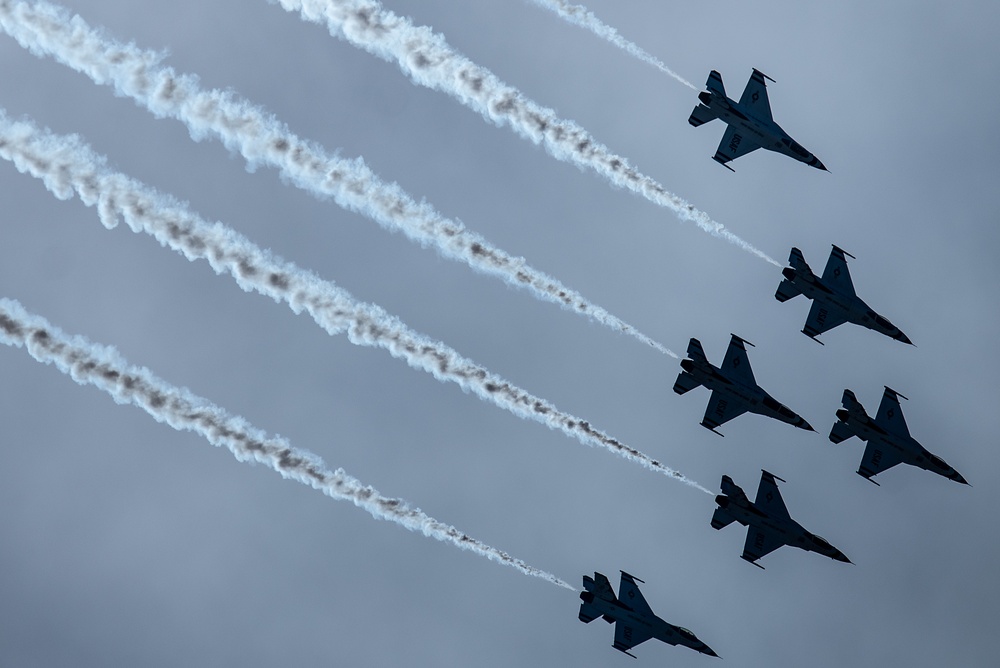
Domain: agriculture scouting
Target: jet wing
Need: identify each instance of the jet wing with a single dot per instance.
(890, 414)
(736, 365)
(769, 498)
(721, 410)
(836, 275)
(734, 144)
(877, 458)
(628, 636)
(760, 543)
(629, 594)
(754, 97)
(822, 318)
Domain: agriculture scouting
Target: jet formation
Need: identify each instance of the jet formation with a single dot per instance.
(734, 389)
(634, 620)
(889, 441)
(750, 124)
(769, 524)
(834, 301)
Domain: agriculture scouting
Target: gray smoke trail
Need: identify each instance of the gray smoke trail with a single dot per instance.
(583, 17)
(47, 29)
(66, 166)
(430, 61)
(104, 368)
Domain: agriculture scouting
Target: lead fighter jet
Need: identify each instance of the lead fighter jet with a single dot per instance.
(770, 525)
(889, 441)
(734, 389)
(634, 620)
(834, 299)
(750, 124)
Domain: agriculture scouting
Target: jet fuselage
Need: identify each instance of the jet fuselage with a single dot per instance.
(753, 397)
(790, 532)
(764, 132)
(905, 448)
(851, 307)
(617, 611)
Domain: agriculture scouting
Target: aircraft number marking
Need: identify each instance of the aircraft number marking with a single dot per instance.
(735, 143)
(720, 409)
(821, 317)
(758, 540)
(628, 633)
(876, 457)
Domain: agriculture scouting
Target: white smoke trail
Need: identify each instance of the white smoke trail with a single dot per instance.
(430, 61)
(104, 368)
(583, 17)
(66, 166)
(47, 29)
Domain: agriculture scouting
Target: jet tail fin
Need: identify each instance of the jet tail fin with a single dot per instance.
(686, 381)
(595, 587)
(714, 83)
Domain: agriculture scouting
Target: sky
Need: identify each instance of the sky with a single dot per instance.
(123, 541)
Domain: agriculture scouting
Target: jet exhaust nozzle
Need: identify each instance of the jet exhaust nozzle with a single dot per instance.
(687, 365)
(788, 273)
(705, 97)
(722, 500)
(842, 414)
(587, 597)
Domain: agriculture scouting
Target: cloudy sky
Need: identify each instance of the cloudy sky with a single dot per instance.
(124, 542)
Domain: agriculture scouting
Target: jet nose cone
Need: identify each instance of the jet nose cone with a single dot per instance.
(708, 650)
(804, 425)
(818, 164)
(958, 478)
(840, 556)
(904, 338)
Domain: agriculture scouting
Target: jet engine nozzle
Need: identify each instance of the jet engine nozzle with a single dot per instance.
(722, 500)
(842, 414)
(586, 597)
(788, 273)
(705, 97)
(687, 365)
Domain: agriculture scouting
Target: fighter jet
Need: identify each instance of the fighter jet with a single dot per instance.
(634, 620)
(770, 525)
(889, 441)
(834, 300)
(734, 390)
(750, 124)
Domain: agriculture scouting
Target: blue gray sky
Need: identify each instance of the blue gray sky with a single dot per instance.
(125, 542)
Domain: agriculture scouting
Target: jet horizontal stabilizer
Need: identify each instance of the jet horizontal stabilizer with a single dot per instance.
(841, 432)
